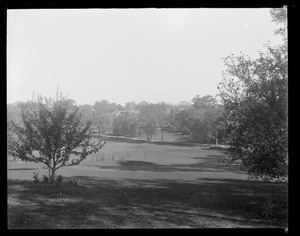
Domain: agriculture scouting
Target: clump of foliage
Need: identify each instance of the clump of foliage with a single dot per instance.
(45, 179)
(198, 121)
(125, 124)
(73, 182)
(52, 132)
(36, 178)
(59, 179)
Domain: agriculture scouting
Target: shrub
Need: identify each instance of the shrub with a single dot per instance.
(45, 179)
(36, 177)
(73, 181)
(59, 179)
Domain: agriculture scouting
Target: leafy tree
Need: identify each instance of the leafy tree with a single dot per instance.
(205, 124)
(157, 113)
(162, 113)
(125, 124)
(147, 124)
(186, 120)
(279, 17)
(103, 115)
(172, 119)
(254, 95)
(52, 133)
(103, 121)
(87, 112)
(13, 114)
(130, 105)
(204, 102)
(150, 127)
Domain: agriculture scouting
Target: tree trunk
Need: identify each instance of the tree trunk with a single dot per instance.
(53, 176)
(139, 133)
(162, 133)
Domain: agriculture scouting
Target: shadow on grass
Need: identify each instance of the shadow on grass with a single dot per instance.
(17, 169)
(106, 203)
(208, 163)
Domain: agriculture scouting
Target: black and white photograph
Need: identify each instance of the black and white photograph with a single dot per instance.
(147, 118)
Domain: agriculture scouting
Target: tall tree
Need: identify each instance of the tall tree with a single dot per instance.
(52, 133)
(254, 95)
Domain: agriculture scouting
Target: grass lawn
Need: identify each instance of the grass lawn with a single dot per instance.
(144, 185)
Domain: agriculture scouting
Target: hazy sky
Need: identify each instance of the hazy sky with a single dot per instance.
(124, 55)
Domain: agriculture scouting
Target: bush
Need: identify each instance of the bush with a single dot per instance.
(73, 181)
(59, 179)
(45, 179)
(36, 177)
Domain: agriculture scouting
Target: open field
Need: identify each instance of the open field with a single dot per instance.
(142, 185)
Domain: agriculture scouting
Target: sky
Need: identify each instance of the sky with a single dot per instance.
(124, 55)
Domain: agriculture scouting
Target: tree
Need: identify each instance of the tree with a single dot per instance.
(130, 105)
(279, 17)
(147, 124)
(186, 119)
(158, 113)
(150, 128)
(172, 119)
(254, 95)
(162, 113)
(13, 114)
(102, 121)
(87, 112)
(205, 125)
(103, 115)
(125, 124)
(204, 102)
(52, 133)
(254, 121)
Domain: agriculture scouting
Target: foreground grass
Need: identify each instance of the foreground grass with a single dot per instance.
(133, 184)
(131, 203)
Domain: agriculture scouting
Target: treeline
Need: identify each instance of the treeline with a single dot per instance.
(195, 119)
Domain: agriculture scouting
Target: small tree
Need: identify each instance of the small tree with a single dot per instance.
(52, 132)
(148, 125)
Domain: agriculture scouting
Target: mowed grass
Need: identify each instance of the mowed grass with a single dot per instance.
(143, 185)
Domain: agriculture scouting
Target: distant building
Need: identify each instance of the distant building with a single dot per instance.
(130, 112)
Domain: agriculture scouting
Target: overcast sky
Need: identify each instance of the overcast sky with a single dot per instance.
(124, 55)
